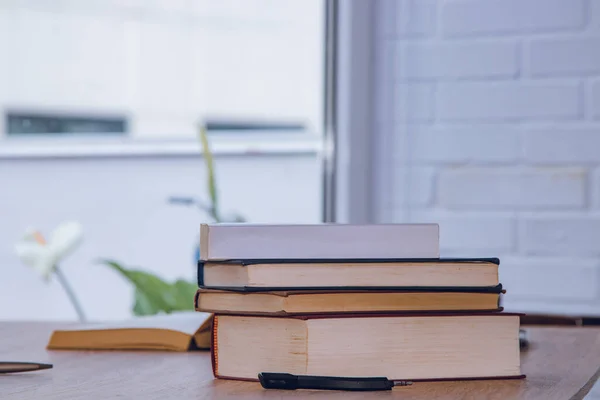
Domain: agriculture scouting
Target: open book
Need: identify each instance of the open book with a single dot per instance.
(181, 331)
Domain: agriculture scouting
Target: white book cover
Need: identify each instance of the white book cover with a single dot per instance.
(257, 241)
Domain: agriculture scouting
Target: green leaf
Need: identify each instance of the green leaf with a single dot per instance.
(154, 295)
(185, 291)
(212, 185)
(143, 304)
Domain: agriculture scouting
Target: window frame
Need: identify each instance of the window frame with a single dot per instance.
(23, 148)
(349, 187)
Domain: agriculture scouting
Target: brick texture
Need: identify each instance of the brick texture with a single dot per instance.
(471, 233)
(595, 100)
(496, 128)
(554, 56)
(515, 188)
(415, 18)
(548, 278)
(458, 60)
(479, 144)
(413, 186)
(464, 17)
(508, 100)
(568, 235)
(383, 101)
(562, 146)
(595, 189)
(595, 19)
(414, 101)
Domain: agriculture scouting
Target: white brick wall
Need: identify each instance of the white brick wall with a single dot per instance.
(472, 59)
(413, 186)
(413, 18)
(472, 17)
(514, 188)
(464, 144)
(491, 125)
(595, 14)
(475, 232)
(595, 190)
(578, 278)
(570, 235)
(508, 100)
(561, 145)
(564, 56)
(413, 101)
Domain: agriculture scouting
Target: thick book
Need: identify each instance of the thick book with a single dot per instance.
(182, 331)
(342, 301)
(409, 347)
(248, 241)
(399, 347)
(344, 272)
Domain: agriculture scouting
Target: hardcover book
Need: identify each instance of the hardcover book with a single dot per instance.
(400, 347)
(338, 301)
(247, 241)
(344, 272)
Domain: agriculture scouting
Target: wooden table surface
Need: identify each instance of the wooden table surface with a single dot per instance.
(562, 363)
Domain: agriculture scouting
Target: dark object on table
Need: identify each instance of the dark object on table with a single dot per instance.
(558, 320)
(19, 366)
(523, 339)
(274, 380)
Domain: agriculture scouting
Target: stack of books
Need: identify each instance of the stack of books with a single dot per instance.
(351, 301)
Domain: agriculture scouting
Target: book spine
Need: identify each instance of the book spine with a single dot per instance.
(214, 348)
(196, 298)
(204, 242)
(200, 273)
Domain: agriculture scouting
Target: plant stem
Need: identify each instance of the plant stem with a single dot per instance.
(67, 287)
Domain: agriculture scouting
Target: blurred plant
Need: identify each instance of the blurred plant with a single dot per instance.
(44, 256)
(152, 294)
(212, 206)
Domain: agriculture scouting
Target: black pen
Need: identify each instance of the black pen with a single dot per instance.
(275, 380)
(20, 366)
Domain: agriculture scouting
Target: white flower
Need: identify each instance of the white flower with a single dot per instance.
(43, 255)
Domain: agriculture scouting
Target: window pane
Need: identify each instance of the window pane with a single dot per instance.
(164, 66)
(36, 124)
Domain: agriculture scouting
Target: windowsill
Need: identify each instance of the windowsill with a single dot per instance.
(125, 147)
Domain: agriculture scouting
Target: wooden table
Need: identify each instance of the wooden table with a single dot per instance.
(562, 363)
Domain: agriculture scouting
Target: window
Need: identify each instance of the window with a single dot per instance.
(249, 126)
(159, 69)
(39, 124)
